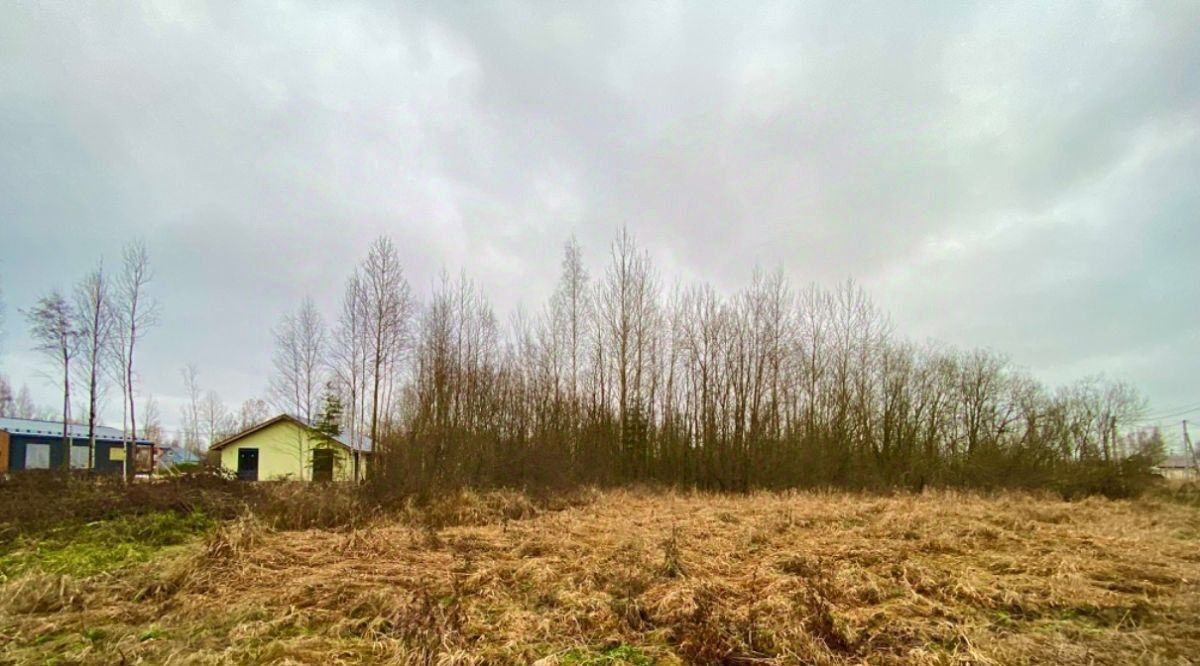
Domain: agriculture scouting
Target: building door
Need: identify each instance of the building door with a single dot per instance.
(3, 451)
(322, 465)
(247, 465)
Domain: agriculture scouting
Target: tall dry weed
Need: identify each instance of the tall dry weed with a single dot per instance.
(40, 593)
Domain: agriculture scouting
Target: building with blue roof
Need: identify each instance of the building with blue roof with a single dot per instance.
(36, 444)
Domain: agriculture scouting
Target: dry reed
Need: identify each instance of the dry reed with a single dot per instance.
(661, 577)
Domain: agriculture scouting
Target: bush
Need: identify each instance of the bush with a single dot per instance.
(1118, 479)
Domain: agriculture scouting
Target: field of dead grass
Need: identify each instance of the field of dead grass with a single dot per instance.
(649, 577)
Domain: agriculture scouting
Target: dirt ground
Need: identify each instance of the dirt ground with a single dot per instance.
(643, 577)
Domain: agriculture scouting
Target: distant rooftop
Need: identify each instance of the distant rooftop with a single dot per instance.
(55, 429)
(1177, 462)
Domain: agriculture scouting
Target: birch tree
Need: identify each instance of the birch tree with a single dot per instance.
(572, 313)
(215, 419)
(769, 386)
(386, 311)
(190, 412)
(152, 428)
(348, 356)
(95, 320)
(135, 312)
(52, 328)
(300, 364)
(627, 312)
(252, 412)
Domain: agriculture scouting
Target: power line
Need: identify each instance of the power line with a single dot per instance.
(1172, 415)
(1184, 406)
(1165, 417)
(1172, 412)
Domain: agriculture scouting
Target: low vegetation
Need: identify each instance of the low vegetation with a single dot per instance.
(101, 546)
(611, 577)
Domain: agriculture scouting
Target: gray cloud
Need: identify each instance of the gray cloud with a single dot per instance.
(1013, 176)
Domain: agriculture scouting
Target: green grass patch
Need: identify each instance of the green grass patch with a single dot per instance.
(98, 547)
(621, 655)
(151, 634)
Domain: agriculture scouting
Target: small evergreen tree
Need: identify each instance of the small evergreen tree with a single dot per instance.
(329, 423)
(327, 428)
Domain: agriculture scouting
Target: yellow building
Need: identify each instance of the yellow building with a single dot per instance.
(1179, 468)
(286, 447)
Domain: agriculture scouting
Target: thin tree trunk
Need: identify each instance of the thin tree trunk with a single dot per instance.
(66, 438)
(92, 418)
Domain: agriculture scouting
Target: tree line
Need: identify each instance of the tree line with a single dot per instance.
(620, 378)
(90, 338)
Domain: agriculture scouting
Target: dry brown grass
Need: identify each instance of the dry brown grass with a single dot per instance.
(653, 577)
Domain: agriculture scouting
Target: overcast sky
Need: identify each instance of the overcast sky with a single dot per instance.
(1020, 176)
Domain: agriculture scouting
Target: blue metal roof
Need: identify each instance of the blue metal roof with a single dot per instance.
(357, 443)
(176, 455)
(55, 429)
(1177, 462)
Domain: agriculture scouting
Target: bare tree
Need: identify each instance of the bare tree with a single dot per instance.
(348, 357)
(300, 364)
(766, 387)
(386, 309)
(152, 428)
(215, 418)
(252, 412)
(191, 410)
(135, 312)
(116, 365)
(95, 321)
(572, 316)
(627, 311)
(52, 327)
(24, 407)
(7, 400)
(457, 365)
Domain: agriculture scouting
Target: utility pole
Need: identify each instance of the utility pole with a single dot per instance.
(1187, 441)
(1112, 429)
